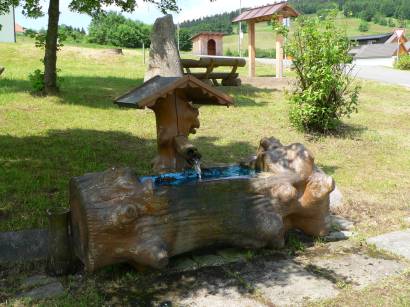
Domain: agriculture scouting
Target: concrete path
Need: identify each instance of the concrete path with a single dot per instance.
(397, 242)
(273, 282)
(383, 74)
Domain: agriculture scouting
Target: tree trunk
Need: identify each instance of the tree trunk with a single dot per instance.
(117, 217)
(50, 58)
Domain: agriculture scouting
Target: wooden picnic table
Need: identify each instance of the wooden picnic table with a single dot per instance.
(228, 78)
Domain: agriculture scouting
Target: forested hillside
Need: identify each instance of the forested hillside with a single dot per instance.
(392, 13)
(365, 9)
(217, 23)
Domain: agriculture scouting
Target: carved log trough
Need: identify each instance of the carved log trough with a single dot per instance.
(120, 217)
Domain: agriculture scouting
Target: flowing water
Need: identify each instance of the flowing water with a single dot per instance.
(197, 168)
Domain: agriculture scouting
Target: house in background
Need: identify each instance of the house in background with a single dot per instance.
(19, 29)
(7, 32)
(371, 39)
(207, 43)
(378, 50)
(379, 54)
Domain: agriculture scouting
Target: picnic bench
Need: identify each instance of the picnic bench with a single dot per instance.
(208, 63)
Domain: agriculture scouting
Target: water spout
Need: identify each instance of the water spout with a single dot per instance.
(197, 168)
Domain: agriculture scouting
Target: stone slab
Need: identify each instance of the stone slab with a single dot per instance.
(51, 290)
(356, 269)
(286, 283)
(37, 280)
(338, 236)
(340, 223)
(336, 200)
(397, 242)
(265, 282)
(23, 245)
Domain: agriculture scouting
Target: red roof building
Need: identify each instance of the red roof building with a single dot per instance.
(19, 29)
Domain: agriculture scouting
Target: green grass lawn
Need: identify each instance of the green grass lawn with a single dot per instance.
(44, 141)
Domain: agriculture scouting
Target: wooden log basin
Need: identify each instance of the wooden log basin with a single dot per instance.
(120, 217)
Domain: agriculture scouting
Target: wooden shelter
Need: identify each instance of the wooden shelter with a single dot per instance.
(208, 43)
(265, 13)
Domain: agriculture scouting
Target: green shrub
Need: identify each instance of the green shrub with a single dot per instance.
(324, 92)
(262, 53)
(403, 63)
(228, 52)
(37, 81)
(116, 30)
(363, 26)
(185, 42)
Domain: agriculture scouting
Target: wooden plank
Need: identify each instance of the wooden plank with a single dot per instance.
(214, 75)
(279, 52)
(251, 49)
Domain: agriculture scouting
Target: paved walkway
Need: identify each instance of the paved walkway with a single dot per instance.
(383, 74)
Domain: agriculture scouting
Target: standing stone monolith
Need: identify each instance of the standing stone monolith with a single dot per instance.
(164, 59)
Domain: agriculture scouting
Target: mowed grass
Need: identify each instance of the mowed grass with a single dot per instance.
(44, 141)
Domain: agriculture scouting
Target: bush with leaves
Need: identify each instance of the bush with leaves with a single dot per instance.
(185, 42)
(403, 63)
(324, 91)
(363, 26)
(114, 29)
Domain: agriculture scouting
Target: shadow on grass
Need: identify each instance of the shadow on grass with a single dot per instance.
(345, 131)
(100, 92)
(90, 91)
(246, 95)
(35, 170)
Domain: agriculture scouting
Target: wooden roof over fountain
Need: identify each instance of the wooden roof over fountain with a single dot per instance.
(196, 91)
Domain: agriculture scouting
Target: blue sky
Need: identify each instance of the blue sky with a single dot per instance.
(147, 13)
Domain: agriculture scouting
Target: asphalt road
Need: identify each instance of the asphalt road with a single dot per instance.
(383, 74)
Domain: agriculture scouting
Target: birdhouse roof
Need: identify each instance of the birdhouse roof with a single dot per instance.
(147, 94)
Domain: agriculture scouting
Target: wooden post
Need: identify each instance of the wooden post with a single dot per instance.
(251, 48)
(279, 52)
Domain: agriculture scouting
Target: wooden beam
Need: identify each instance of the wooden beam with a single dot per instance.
(251, 49)
(279, 52)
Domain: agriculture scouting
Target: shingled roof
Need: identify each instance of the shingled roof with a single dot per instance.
(264, 13)
(147, 94)
(377, 51)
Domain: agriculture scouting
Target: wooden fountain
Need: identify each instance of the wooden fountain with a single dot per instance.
(117, 216)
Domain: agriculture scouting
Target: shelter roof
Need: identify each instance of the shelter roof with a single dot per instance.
(207, 33)
(195, 90)
(265, 13)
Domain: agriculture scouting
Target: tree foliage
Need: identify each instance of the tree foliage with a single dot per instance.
(114, 29)
(324, 92)
(403, 63)
(185, 42)
(217, 23)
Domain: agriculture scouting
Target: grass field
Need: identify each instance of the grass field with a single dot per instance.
(44, 141)
(265, 38)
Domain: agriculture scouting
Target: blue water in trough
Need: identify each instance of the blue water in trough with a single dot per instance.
(208, 174)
